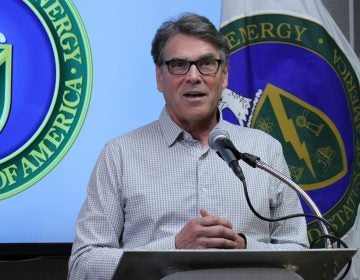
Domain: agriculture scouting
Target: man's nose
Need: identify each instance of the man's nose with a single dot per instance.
(193, 74)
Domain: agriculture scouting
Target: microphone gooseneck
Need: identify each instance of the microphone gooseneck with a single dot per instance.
(219, 140)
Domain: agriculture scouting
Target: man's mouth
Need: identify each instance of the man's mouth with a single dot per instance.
(194, 94)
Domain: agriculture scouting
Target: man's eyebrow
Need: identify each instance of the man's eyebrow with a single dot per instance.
(202, 57)
(208, 56)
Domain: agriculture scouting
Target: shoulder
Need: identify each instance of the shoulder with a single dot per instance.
(146, 133)
(139, 139)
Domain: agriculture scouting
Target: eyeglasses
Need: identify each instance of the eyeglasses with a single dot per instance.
(182, 66)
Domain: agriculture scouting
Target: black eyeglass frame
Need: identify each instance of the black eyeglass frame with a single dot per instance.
(167, 62)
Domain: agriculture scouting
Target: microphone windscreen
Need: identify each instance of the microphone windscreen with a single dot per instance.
(216, 134)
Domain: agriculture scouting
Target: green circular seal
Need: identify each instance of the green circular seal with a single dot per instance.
(45, 88)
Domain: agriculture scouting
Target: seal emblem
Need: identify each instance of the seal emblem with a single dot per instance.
(289, 78)
(45, 87)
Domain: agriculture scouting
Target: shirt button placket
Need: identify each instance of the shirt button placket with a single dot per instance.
(202, 186)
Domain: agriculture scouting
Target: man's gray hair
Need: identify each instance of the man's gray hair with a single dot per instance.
(188, 24)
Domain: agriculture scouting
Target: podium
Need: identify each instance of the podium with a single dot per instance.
(239, 264)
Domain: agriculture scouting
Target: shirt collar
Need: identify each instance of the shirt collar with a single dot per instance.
(169, 128)
(172, 132)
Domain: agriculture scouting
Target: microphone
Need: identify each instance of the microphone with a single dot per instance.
(219, 140)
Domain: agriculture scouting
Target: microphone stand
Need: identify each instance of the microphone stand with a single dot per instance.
(256, 162)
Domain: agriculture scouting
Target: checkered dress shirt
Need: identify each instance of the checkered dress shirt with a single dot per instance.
(149, 183)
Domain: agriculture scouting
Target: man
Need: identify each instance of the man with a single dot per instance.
(161, 187)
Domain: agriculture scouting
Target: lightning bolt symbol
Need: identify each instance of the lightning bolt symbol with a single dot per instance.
(287, 127)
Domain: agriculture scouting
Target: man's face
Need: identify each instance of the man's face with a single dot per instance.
(193, 97)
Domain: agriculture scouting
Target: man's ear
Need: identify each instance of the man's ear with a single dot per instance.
(225, 77)
(159, 78)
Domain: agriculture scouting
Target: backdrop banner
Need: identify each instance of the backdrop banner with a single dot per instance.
(294, 75)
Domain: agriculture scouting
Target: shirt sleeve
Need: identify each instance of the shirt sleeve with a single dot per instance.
(97, 247)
